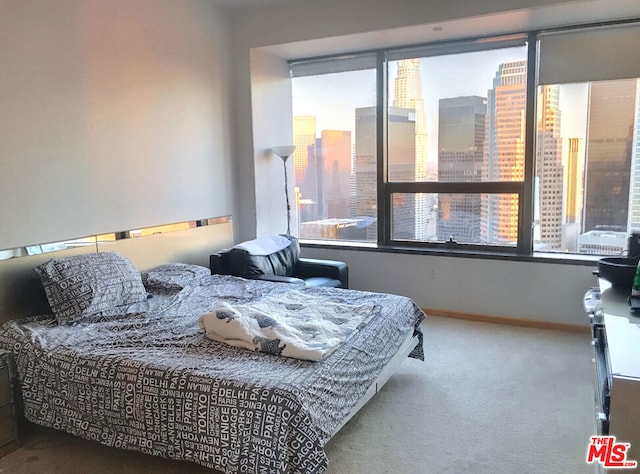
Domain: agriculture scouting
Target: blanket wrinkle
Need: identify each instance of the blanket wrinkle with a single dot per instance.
(293, 325)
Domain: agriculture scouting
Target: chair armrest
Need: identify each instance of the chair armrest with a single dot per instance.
(280, 279)
(217, 264)
(313, 267)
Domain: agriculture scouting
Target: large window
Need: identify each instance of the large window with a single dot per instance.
(446, 131)
(587, 192)
(334, 130)
(587, 180)
(472, 145)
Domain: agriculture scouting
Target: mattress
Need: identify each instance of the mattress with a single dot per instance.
(149, 380)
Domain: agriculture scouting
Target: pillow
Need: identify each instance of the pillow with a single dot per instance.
(173, 277)
(265, 245)
(264, 256)
(89, 285)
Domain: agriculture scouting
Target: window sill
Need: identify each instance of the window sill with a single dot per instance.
(538, 257)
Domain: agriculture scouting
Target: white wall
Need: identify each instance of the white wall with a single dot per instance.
(497, 288)
(114, 115)
(309, 28)
(272, 126)
(297, 20)
(119, 114)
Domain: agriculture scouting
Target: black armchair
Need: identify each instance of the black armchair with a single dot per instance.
(277, 258)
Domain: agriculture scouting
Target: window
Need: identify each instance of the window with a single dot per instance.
(334, 129)
(587, 180)
(471, 145)
(446, 132)
(585, 197)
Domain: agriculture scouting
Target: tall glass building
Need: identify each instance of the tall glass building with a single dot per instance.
(610, 131)
(461, 136)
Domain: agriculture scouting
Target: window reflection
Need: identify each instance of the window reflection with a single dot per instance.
(38, 249)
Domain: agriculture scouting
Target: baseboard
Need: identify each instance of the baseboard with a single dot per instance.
(530, 323)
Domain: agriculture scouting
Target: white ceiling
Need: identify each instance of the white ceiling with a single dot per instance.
(551, 16)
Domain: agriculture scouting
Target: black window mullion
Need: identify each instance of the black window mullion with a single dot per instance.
(384, 200)
(523, 189)
(444, 187)
(526, 201)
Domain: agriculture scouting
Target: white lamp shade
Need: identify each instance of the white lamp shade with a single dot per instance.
(284, 152)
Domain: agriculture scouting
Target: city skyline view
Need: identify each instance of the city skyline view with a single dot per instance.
(421, 149)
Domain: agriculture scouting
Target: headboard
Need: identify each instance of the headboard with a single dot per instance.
(22, 294)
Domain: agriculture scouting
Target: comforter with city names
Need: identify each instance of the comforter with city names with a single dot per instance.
(150, 380)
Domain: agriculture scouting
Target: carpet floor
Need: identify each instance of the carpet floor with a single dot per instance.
(489, 398)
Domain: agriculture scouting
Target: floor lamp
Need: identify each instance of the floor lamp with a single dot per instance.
(285, 152)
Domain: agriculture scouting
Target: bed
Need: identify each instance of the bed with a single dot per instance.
(142, 375)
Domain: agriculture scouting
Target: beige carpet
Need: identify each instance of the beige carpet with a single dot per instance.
(489, 399)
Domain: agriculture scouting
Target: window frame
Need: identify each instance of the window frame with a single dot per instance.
(525, 189)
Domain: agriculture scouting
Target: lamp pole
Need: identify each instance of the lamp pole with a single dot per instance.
(285, 152)
(286, 195)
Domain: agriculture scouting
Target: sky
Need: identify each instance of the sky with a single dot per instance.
(332, 98)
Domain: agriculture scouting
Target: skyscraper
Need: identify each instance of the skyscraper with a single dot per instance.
(634, 202)
(573, 165)
(335, 146)
(304, 134)
(549, 169)
(461, 135)
(611, 122)
(504, 160)
(408, 95)
(311, 189)
(405, 215)
(366, 168)
(401, 130)
(574, 181)
(307, 164)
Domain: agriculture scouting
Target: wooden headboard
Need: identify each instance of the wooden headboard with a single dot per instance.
(22, 294)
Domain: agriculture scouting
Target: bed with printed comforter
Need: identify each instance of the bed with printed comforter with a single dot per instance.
(150, 380)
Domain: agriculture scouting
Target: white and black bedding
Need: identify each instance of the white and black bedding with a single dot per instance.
(147, 378)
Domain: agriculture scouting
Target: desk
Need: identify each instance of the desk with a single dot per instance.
(616, 343)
